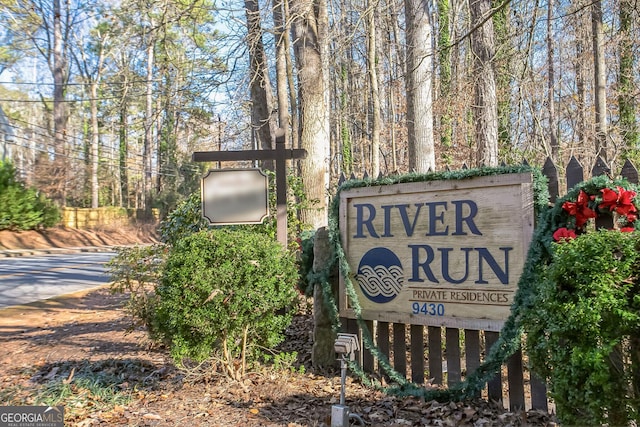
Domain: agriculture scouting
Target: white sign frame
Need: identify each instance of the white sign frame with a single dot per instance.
(235, 196)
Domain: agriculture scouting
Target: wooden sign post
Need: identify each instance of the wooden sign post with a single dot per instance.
(280, 155)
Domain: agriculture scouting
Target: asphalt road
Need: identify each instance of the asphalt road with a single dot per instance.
(28, 279)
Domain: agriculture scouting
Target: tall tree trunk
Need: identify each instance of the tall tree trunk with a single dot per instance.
(281, 67)
(293, 100)
(148, 127)
(372, 65)
(626, 98)
(419, 86)
(123, 153)
(554, 146)
(262, 119)
(396, 59)
(91, 72)
(599, 79)
(444, 41)
(95, 143)
(346, 145)
(486, 103)
(310, 35)
(503, 69)
(581, 80)
(59, 107)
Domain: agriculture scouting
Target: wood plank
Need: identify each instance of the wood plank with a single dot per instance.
(551, 172)
(494, 385)
(454, 370)
(634, 355)
(435, 353)
(574, 172)
(383, 338)
(417, 354)
(440, 185)
(408, 318)
(472, 351)
(600, 168)
(238, 155)
(400, 348)
(367, 357)
(382, 341)
(538, 394)
(629, 172)
(516, 382)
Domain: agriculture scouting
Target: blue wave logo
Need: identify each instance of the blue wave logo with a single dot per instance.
(380, 275)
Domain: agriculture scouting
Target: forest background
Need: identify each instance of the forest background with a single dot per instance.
(102, 102)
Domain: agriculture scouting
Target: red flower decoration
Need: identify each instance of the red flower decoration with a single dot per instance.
(620, 201)
(563, 233)
(616, 200)
(580, 209)
(609, 199)
(625, 202)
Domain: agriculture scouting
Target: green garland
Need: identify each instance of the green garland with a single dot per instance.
(538, 258)
(509, 340)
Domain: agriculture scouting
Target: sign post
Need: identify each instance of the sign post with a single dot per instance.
(280, 155)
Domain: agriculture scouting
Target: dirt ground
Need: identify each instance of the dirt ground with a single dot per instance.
(76, 350)
(63, 237)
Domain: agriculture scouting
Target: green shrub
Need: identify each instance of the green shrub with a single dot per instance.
(184, 220)
(23, 208)
(136, 271)
(305, 261)
(223, 293)
(584, 320)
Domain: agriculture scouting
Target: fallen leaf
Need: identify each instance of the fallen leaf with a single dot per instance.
(151, 416)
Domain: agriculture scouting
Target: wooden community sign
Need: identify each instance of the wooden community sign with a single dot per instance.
(438, 253)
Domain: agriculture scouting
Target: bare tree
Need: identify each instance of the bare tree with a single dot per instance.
(281, 37)
(310, 35)
(372, 64)
(554, 145)
(419, 86)
(60, 79)
(91, 74)
(486, 104)
(626, 98)
(599, 79)
(262, 107)
(47, 27)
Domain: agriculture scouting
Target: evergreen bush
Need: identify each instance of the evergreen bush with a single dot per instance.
(136, 271)
(23, 208)
(184, 220)
(584, 317)
(224, 294)
(305, 261)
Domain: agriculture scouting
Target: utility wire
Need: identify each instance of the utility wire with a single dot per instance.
(105, 156)
(113, 162)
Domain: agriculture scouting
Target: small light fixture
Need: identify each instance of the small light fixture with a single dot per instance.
(345, 346)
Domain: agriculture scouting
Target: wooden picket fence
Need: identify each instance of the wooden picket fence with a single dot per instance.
(444, 356)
